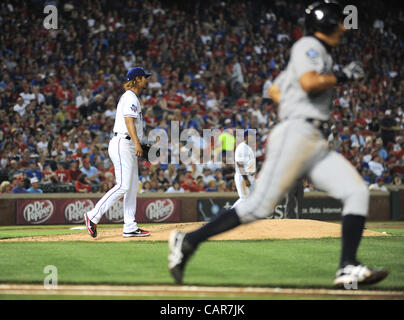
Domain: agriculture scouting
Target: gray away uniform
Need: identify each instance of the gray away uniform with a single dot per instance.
(296, 146)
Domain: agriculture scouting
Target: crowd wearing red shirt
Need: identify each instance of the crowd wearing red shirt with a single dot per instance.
(210, 61)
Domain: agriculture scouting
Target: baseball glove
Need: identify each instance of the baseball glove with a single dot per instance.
(146, 148)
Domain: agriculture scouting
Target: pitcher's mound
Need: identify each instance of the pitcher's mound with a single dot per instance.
(262, 229)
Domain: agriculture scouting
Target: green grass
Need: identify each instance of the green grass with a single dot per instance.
(393, 232)
(10, 234)
(301, 263)
(283, 263)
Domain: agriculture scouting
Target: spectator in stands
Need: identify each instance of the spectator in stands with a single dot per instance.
(74, 171)
(144, 175)
(82, 184)
(207, 176)
(82, 102)
(5, 187)
(19, 107)
(386, 176)
(27, 95)
(189, 184)
(171, 173)
(376, 165)
(49, 176)
(90, 171)
(380, 149)
(32, 146)
(34, 186)
(97, 105)
(219, 175)
(366, 176)
(19, 187)
(43, 144)
(397, 180)
(162, 180)
(160, 189)
(211, 186)
(33, 171)
(357, 138)
(221, 186)
(101, 170)
(175, 188)
(231, 186)
(388, 128)
(146, 187)
(62, 174)
(104, 188)
(378, 186)
(14, 170)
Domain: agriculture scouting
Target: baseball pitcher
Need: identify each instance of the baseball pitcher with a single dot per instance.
(124, 150)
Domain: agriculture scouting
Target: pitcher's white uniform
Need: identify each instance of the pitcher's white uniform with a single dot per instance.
(244, 155)
(123, 155)
(297, 147)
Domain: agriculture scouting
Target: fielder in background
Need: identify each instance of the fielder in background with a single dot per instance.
(245, 168)
(124, 150)
(297, 147)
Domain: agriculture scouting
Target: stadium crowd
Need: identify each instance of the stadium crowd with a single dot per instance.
(212, 63)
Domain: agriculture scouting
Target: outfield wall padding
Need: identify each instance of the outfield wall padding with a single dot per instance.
(186, 207)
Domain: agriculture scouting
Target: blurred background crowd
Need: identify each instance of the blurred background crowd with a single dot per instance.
(212, 63)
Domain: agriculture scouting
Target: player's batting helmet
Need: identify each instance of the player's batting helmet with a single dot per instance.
(323, 16)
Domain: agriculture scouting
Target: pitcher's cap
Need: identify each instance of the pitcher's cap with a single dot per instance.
(136, 72)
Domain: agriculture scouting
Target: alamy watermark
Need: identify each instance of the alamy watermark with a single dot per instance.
(351, 285)
(351, 20)
(51, 280)
(188, 146)
(51, 20)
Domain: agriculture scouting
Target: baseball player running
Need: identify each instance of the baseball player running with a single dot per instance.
(294, 197)
(124, 149)
(245, 169)
(296, 148)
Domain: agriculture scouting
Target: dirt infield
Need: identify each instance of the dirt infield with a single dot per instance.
(259, 230)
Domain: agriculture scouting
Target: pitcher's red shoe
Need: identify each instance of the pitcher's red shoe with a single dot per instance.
(91, 226)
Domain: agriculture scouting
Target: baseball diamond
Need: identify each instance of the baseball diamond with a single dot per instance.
(202, 150)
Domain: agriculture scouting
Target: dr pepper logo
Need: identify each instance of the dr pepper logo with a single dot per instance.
(159, 210)
(115, 212)
(39, 211)
(74, 211)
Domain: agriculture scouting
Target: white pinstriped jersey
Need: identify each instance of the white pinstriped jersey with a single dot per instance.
(129, 106)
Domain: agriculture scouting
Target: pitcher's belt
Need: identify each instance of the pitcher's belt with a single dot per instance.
(122, 135)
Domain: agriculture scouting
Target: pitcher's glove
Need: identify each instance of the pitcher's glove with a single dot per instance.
(352, 71)
(146, 148)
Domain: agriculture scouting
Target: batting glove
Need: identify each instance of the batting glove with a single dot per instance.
(352, 71)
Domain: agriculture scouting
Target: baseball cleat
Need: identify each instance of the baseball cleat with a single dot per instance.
(137, 233)
(359, 274)
(91, 227)
(180, 251)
